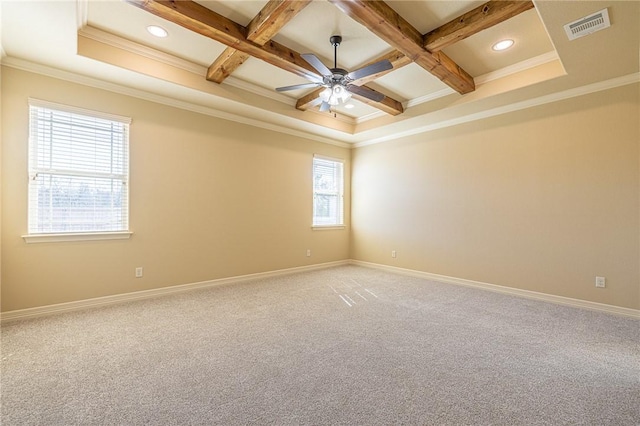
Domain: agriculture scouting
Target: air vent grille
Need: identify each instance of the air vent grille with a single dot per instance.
(588, 25)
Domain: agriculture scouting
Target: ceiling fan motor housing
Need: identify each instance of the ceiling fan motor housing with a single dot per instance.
(337, 76)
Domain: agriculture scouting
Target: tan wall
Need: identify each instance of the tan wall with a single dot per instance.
(543, 199)
(209, 198)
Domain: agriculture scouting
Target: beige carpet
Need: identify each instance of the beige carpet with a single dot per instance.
(347, 345)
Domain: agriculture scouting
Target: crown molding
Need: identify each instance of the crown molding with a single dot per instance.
(518, 67)
(25, 65)
(118, 42)
(171, 60)
(371, 116)
(82, 12)
(346, 140)
(485, 78)
(516, 106)
(429, 97)
(156, 55)
(257, 90)
(140, 94)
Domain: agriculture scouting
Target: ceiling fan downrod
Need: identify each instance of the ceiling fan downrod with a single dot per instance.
(335, 40)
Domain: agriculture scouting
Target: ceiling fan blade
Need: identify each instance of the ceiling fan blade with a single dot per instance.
(316, 63)
(297, 86)
(365, 92)
(383, 65)
(325, 106)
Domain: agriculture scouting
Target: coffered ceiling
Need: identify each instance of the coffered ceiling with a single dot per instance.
(445, 70)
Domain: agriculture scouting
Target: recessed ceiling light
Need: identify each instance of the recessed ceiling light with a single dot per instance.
(349, 106)
(502, 45)
(157, 31)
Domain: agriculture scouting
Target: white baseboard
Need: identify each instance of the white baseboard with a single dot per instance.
(577, 303)
(146, 294)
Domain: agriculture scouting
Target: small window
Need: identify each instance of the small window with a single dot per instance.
(328, 188)
(78, 170)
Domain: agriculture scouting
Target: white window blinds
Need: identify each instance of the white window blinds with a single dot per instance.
(328, 188)
(78, 170)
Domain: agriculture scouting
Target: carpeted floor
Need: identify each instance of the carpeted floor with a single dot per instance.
(347, 345)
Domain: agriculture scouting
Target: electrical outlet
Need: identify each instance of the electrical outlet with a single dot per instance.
(139, 272)
(600, 282)
(393, 253)
(308, 253)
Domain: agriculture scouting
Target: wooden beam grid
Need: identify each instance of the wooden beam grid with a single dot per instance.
(255, 40)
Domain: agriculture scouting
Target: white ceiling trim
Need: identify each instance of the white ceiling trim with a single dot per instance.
(482, 79)
(517, 106)
(336, 115)
(3, 54)
(82, 12)
(156, 55)
(141, 50)
(140, 94)
(429, 97)
(165, 58)
(257, 90)
(516, 68)
(24, 65)
(371, 116)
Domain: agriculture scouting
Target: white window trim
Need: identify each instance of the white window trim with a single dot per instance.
(84, 236)
(76, 110)
(318, 227)
(88, 236)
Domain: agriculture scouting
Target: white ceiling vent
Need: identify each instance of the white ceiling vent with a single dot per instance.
(587, 25)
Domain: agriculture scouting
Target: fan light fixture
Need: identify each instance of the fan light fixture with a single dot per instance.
(335, 95)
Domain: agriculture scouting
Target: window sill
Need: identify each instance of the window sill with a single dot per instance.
(88, 236)
(323, 227)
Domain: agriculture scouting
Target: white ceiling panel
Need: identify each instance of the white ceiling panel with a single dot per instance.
(46, 33)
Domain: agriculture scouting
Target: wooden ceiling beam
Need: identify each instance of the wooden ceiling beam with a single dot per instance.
(208, 23)
(470, 23)
(197, 18)
(383, 21)
(309, 100)
(273, 16)
(225, 64)
(266, 24)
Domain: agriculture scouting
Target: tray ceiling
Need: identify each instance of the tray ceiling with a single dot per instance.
(108, 40)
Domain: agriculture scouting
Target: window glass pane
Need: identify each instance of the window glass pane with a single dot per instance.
(78, 204)
(327, 192)
(79, 172)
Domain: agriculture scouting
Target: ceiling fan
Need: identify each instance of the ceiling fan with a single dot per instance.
(337, 81)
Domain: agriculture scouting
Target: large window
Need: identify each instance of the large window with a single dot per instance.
(78, 170)
(328, 187)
